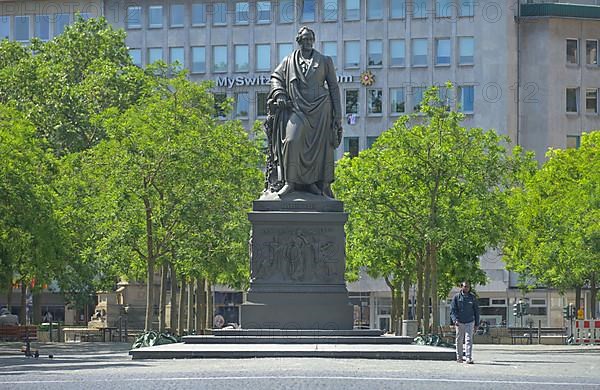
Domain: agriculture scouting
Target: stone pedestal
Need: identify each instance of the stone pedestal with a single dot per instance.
(297, 262)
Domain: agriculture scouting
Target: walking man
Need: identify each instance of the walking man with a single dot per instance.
(464, 313)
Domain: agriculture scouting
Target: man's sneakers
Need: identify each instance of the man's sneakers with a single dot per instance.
(459, 360)
(470, 361)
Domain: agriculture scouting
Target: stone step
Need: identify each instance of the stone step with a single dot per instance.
(298, 332)
(297, 340)
(345, 351)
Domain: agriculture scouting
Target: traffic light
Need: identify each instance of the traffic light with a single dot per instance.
(572, 310)
(567, 312)
(517, 309)
(524, 308)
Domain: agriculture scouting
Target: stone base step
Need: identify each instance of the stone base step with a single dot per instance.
(345, 351)
(297, 332)
(297, 340)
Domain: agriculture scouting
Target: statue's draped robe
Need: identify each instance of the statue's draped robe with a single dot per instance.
(304, 137)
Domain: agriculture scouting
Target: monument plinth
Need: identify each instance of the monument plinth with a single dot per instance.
(297, 264)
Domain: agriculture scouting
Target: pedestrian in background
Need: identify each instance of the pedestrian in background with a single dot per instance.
(464, 313)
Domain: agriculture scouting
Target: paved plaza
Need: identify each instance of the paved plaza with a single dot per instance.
(108, 366)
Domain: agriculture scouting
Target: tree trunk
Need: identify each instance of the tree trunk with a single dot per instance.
(593, 292)
(150, 266)
(393, 320)
(190, 307)
(406, 297)
(23, 308)
(209, 305)
(435, 311)
(36, 315)
(397, 303)
(419, 311)
(162, 304)
(577, 297)
(173, 311)
(181, 315)
(426, 293)
(200, 310)
(9, 294)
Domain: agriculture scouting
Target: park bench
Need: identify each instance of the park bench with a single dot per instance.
(18, 332)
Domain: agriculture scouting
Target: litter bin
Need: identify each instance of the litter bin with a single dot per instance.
(409, 328)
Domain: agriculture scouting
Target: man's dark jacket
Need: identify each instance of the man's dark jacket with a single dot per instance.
(464, 308)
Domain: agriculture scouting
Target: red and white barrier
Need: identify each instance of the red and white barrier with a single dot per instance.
(587, 332)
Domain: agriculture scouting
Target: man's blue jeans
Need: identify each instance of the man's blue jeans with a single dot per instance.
(464, 335)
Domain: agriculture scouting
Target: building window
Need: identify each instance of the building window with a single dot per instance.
(573, 141)
(351, 98)
(374, 99)
(220, 100)
(263, 12)
(198, 59)
(42, 27)
(22, 28)
(283, 50)
(351, 54)
(397, 100)
(443, 52)
(4, 27)
(219, 14)
(261, 103)
(591, 100)
(198, 14)
(572, 100)
(241, 13)
(177, 13)
(445, 98)
(419, 8)
(330, 49)
(443, 8)
(397, 9)
(419, 52)
(466, 95)
(263, 57)
(417, 98)
(466, 50)
(351, 146)
(241, 105)
(136, 56)
(61, 21)
(330, 11)
(286, 11)
(374, 9)
(241, 58)
(219, 59)
(177, 58)
(572, 49)
(591, 52)
(134, 17)
(155, 16)
(371, 140)
(375, 52)
(308, 11)
(352, 11)
(155, 54)
(397, 52)
(467, 8)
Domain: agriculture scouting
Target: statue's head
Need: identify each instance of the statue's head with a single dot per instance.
(305, 37)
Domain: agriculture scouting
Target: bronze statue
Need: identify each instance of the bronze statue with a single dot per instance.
(304, 125)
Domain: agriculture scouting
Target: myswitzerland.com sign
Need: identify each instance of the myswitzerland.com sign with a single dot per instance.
(247, 81)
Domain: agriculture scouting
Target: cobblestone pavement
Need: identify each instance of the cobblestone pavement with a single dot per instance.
(108, 366)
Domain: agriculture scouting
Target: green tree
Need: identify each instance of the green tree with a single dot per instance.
(173, 180)
(63, 84)
(30, 248)
(425, 201)
(555, 234)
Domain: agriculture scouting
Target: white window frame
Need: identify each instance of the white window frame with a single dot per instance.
(192, 70)
(461, 99)
(214, 64)
(391, 43)
(595, 111)
(586, 52)
(242, 13)
(413, 51)
(257, 56)
(171, 13)
(391, 98)
(236, 66)
(263, 6)
(369, 101)
(577, 49)
(357, 101)
(437, 51)
(370, 11)
(331, 10)
(201, 6)
(130, 10)
(460, 47)
(28, 28)
(370, 44)
(577, 101)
